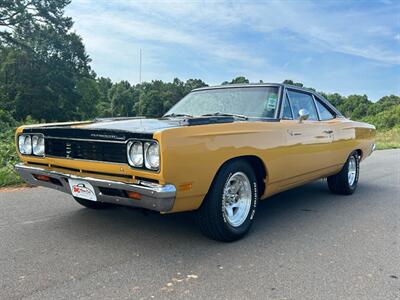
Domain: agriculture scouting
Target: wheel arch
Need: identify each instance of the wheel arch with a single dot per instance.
(258, 166)
(359, 152)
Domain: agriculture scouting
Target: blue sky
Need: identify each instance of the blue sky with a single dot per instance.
(350, 47)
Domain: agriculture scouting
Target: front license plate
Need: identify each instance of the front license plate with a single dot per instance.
(82, 189)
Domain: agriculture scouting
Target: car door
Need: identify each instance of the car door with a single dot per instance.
(341, 132)
(308, 142)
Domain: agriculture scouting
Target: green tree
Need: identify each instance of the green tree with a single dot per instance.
(355, 106)
(192, 84)
(336, 99)
(290, 82)
(237, 80)
(104, 104)
(89, 94)
(6, 120)
(385, 119)
(24, 17)
(123, 98)
(385, 103)
(41, 61)
(157, 97)
(152, 100)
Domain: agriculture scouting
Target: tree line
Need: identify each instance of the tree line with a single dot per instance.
(45, 75)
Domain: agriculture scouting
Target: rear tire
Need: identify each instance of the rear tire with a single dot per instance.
(228, 210)
(93, 204)
(345, 182)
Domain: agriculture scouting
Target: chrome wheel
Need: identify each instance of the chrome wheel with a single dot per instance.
(352, 172)
(236, 200)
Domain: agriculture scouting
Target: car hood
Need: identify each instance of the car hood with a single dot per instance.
(133, 125)
(119, 129)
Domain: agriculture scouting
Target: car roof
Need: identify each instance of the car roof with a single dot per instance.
(237, 85)
(241, 85)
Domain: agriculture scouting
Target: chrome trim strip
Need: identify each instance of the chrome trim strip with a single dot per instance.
(285, 94)
(87, 160)
(154, 196)
(279, 103)
(316, 107)
(240, 85)
(85, 140)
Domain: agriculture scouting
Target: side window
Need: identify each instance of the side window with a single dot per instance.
(287, 111)
(324, 113)
(302, 101)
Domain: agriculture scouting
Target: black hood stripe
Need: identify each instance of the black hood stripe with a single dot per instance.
(90, 134)
(122, 130)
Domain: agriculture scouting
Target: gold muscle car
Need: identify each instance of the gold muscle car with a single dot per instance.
(217, 152)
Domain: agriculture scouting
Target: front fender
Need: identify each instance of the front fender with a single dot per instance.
(192, 156)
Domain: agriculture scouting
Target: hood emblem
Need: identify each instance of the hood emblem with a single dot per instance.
(107, 136)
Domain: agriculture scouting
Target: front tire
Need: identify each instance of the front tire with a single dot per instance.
(93, 204)
(228, 210)
(345, 182)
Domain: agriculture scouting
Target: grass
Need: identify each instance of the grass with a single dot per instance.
(8, 177)
(388, 139)
(8, 158)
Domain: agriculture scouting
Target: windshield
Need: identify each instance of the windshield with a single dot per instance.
(248, 101)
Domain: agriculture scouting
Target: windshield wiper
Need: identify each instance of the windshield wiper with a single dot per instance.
(173, 115)
(226, 115)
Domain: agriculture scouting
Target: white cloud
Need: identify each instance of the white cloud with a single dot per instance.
(349, 32)
(128, 24)
(203, 26)
(262, 40)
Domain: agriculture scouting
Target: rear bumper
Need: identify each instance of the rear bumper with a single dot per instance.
(152, 196)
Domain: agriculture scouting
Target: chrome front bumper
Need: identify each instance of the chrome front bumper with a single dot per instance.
(152, 196)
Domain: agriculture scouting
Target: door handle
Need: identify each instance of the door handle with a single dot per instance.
(292, 133)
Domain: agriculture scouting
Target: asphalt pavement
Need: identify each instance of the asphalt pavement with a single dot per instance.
(305, 244)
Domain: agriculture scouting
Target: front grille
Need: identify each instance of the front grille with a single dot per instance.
(88, 150)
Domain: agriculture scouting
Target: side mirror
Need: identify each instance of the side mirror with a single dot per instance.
(303, 114)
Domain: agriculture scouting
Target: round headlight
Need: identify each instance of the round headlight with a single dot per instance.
(25, 144)
(135, 154)
(38, 145)
(21, 142)
(152, 156)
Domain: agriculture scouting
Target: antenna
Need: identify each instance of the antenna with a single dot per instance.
(140, 66)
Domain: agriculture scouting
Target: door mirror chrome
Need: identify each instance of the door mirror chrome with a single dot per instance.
(303, 114)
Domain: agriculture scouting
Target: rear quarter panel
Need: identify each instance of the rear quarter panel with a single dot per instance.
(351, 135)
